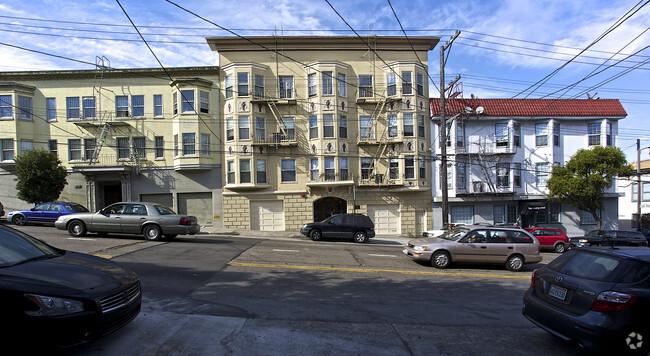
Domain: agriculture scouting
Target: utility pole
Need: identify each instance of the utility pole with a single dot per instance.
(443, 131)
(638, 183)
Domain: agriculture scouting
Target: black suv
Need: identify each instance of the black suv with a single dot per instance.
(609, 238)
(355, 226)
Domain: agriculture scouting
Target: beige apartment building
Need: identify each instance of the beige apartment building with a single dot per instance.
(315, 126)
(123, 135)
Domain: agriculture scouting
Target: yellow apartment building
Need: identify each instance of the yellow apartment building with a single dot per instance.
(317, 125)
(123, 135)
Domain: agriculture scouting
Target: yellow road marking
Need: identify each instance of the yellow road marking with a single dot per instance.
(370, 270)
(104, 256)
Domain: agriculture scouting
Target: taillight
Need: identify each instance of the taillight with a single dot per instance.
(532, 279)
(613, 301)
(185, 221)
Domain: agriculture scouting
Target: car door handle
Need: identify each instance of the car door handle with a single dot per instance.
(483, 246)
(511, 248)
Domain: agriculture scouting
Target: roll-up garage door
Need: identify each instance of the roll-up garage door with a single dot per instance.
(197, 204)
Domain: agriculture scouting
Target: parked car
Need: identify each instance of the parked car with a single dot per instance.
(58, 297)
(2, 210)
(513, 247)
(598, 297)
(646, 233)
(358, 227)
(609, 238)
(438, 232)
(548, 238)
(45, 213)
(151, 220)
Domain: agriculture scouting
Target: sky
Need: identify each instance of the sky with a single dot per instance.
(505, 49)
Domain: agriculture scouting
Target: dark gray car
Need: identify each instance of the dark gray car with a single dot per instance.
(609, 238)
(353, 226)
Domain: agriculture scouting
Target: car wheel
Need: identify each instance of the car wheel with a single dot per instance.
(440, 259)
(19, 220)
(559, 248)
(77, 228)
(152, 232)
(360, 237)
(171, 236)
(316, 235)
(515, 263)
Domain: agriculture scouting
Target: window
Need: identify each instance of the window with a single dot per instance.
(423, 168)
(88, 103)
(367, 166)
(26, 145)
(7, 149)
(635, 192)
(328, 125)
(343, 126)
(541, 173)
(366, 127)
(176, 145)
(393, 171)
(140, 146)
(123, 151)
(409, 167)
(230, 129)
(421, 127)
(244, 171)
(343, 168)
(449, 176)
(460, 134)
(51, 109)
(392, 125)
(461, 214)
(175, 103)
(189, 144)
(290, 127)
(554, 212)
(330, 169)
(187, 101)
(286, 86)
(461, 176)
(311, 84)
(420, 84)
(365, 86)
(261, 171)
(313, 126)
(556, 134)
(504, 213)
(448, 128)
(242, 84)
(391, 85)
(25, 107)
(259, 86)
(342, 85)
(594, 134)
(204, 96)
(157, 105)
(408, 124)
(516, 168)
(260, 129)
(230, 172)
(205, 144)
(288, 170)
(501, 134)
(516, 135)
(89, 148)
(608, 134)
(74, 149)
(244, 128)
(121, 106)
(587, 219)
(72, 107)
(646, 192)
(6, 108)
(53, 146)
(229, 86)
(407, 83)
(503, 175)
(159, 144)
(327, 83)
(541, 134)
(314, 171)
(137, 101)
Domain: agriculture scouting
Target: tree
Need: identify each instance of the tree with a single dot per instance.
(41, 177)
(584, 178)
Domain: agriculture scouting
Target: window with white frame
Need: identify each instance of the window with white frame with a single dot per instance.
(541, 173)
(501, 133)
(342, 85)
(327, 83)
(230, 129)
(26, 145)
(286, 86)
(392, 125)
(242, 84)
(229, 86)
(6, 107)
(230, 172)
(157, 105)
(461, 176)
(50, 104)
(365, 86)
(313, 127)
(74, 149)
(516, 170)
(367, 167)
(187, 102)
(409, 167)
(175, 103)
(423, 168)
(189, 144)
(328, 125)
(137, 103)
(312, 88)
(366, 127)
(391, 84)
(261, 171)
(288, 173)
(159, 145)
(88, 107)
(408, 127)
(260, 129)
(259, 86)
(460, 134)
(314, 170)
(7, 145)
(204, 107)
(89, 148)
(244, 171)
(244, 127)
(635, 192)
(121, 106)
(608, 134)
(123, 149)
(25, 107)
(343, 126)
(541, 134)
(393, 171)
(516, 135)
(72, 107)
(594, 133)
(461, 214)
(556, 134)
(420, 84)
(205, 144)
(407, 83)
(176, 145)
(330, 169)
(503, 175)
(289, 124)
(421, 126)
(52, 146)
(343, 168)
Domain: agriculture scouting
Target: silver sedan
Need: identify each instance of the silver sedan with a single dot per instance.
(151, 220)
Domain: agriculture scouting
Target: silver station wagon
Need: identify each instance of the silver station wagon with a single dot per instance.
(513, 247)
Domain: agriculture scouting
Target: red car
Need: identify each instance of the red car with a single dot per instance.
(549, 238)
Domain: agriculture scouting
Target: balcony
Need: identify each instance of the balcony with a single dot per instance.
(107, 163)
(481, 188)
(483, 147)
(277, 139)
(331, 179)
(279, 97)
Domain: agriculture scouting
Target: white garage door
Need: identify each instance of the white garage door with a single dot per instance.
(267, 215)
(386, 219)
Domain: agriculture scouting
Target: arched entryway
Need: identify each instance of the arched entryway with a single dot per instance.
(328, 206)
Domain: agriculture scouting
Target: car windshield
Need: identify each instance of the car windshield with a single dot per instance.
(595, 233)
(17, 247)
(163, 210)
(454, 234)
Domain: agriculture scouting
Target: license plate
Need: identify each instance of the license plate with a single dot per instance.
(557, 292)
